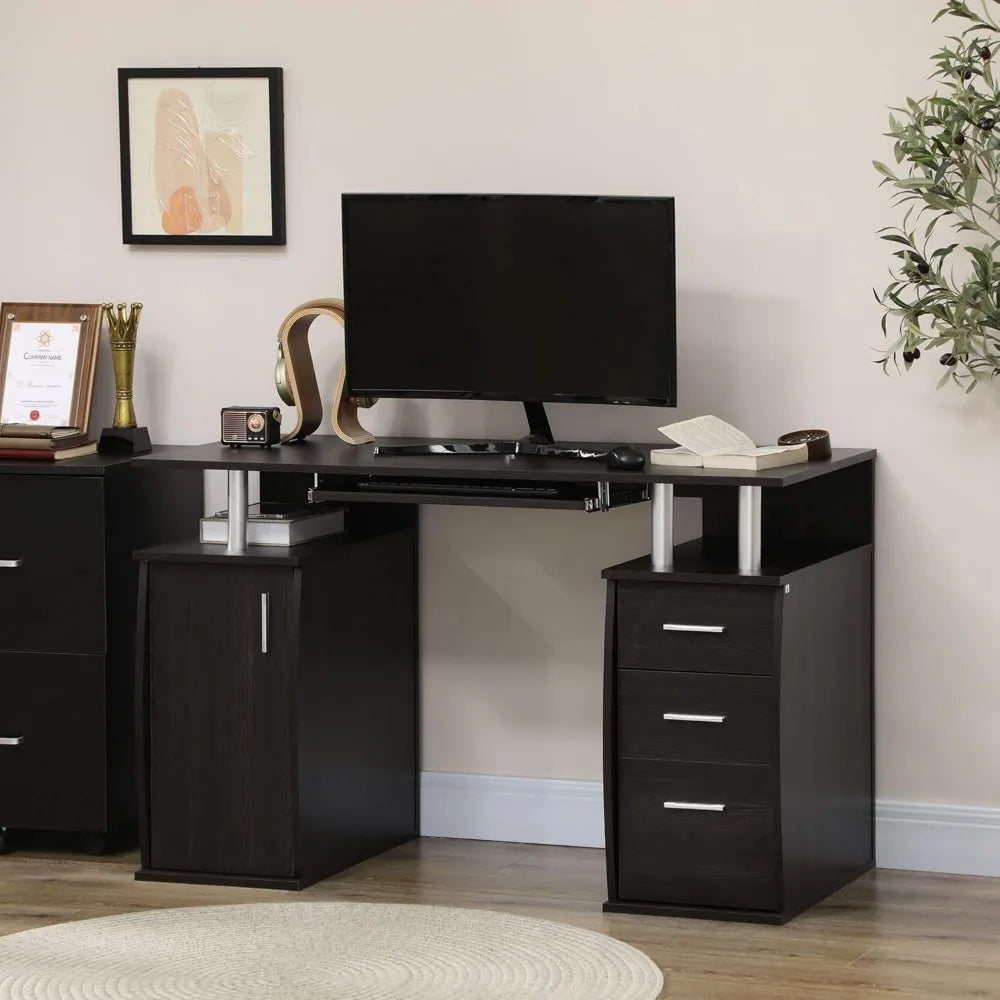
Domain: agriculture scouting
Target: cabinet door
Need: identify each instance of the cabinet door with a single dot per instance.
(52, 564)
(221, 767)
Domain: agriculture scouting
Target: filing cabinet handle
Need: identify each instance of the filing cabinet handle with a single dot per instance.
(712, 807)
(684, 717)
(264, 602)
(712, 629)
(11, 563)
(11, 741)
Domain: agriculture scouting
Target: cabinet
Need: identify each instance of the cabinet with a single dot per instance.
(738, 753)
(278, 708)
(67, 593)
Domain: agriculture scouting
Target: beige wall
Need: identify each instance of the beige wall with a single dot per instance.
(761, 117)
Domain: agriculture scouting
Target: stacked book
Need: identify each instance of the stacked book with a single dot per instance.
(710, 443)
(278, 523)
(27, 442)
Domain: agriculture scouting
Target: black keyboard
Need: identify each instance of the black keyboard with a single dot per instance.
(480, 489)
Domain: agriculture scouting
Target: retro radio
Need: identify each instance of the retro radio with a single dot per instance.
(253, 425)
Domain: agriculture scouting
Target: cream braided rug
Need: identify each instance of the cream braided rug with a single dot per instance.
(321, 951)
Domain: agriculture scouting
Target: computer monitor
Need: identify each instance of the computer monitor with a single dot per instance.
(535, 298)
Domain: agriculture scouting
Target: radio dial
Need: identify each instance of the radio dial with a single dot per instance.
(255, 423)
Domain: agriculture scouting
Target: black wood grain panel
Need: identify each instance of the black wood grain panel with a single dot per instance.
(221, 775)
(55, 779)
(749, 706)
(611, 738)
(748, 645)
(142, 506)
(826, 727)
(356, 706)
(326, 453)
(727, 858)
(53, 601)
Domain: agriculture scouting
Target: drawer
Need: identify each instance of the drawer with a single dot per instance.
(53, 732)
(697, 857)
(720, 719)
(52, 564)
(702, 627)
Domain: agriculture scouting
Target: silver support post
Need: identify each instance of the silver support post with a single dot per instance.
(237, 516)
(749, 533)
(663, 527)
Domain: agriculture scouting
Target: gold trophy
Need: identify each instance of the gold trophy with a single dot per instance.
(124, 438)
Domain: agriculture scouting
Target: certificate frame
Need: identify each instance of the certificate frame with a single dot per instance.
(90, 320)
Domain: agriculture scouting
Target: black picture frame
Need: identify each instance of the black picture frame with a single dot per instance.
(276, 164)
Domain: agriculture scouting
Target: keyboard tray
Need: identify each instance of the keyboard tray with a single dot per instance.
(589, 497)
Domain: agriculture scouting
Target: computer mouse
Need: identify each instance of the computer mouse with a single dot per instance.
(626, 458)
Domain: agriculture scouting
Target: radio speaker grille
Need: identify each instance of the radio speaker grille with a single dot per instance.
(234, 425)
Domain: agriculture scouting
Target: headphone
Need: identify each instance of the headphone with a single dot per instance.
(295, 378)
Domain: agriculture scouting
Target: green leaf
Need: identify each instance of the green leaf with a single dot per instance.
(883, 169)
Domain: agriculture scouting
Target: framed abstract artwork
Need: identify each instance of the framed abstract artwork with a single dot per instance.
(202, 156)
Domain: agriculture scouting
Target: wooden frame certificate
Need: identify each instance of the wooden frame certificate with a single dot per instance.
(48, 355)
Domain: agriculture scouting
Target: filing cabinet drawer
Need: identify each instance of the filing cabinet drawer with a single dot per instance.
(724, 719)
(699, 627)
(52, 564)
(697, 834)
(52, 741)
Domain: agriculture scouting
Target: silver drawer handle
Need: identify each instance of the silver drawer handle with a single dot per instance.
(264, 603)
(11, 563)
(712, 629)
(710, 807)
(11, 741)
(684, 717)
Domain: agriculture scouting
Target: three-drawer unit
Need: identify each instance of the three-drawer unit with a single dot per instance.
(738, 747)
(67, 598)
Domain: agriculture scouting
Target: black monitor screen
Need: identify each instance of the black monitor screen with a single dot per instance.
(525, 297)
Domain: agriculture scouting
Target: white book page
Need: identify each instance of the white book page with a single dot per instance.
(709, 435)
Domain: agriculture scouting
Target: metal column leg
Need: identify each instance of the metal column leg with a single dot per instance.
(237, 516)
(663, 527)
(749, 529)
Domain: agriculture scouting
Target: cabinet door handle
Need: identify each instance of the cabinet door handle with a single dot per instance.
(11, 741)
(712, 629)
(711, 807)
(264, 602)
(11, 563)
(684, 717)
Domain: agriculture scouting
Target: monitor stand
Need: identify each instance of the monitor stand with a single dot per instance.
(538, 441)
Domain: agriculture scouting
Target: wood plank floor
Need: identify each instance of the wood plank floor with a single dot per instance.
(891, 935)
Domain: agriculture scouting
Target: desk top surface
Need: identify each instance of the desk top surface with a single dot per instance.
(328, 454)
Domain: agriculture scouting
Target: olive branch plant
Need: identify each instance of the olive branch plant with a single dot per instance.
(946, 295)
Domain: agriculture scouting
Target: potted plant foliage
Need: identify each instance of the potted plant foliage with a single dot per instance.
(945, 288)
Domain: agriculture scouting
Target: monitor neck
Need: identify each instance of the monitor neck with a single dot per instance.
(539, 431)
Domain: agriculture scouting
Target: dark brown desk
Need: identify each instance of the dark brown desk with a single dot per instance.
(738, 667)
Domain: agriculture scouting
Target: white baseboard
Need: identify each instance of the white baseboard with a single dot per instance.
(518, 810)
(962, 840)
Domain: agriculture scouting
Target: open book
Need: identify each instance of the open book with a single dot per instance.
(711, 443)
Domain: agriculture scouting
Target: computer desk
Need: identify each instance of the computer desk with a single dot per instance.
(752, 796)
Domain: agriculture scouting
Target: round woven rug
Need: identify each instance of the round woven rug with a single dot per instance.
(332, 951)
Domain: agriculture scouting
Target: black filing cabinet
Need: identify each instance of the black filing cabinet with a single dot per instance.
(67, 594)
(738, 755)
